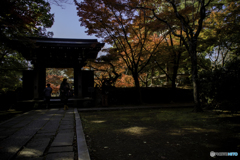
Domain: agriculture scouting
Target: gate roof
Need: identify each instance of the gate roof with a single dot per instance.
(61, 52)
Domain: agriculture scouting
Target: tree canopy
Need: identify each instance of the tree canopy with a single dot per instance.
(200, 28)
(133, 41)
(19, 20)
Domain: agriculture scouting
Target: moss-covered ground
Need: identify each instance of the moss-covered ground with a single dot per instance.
(171, 134)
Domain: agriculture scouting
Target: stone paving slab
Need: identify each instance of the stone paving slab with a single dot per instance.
(29, 153)
(61, 156)
(68, 118)
(13, 143)
(23, 121)
(63, 139)
(39, 143)
(47, 133)
(8, 132)
(37, 132)
(66, 130)
(52, 125)
(67, 122)
(20, 121)
(36, 146)
(67, 126)
(29, 158)
(61, 149)
(10, 124)
(16, 119)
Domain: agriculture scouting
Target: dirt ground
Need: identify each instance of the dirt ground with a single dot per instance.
(170, 134)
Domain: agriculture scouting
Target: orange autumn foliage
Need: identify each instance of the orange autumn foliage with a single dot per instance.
(54, 81)
(125, 81)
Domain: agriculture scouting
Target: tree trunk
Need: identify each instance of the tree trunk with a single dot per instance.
(146, 81)
(137, 86)
(193, 52)
(152, 74)
(167, 73)
(174, 76)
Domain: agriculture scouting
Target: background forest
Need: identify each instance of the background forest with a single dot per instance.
(155, 43)
(163, 43)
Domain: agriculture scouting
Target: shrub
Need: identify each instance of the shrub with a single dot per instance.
(219, 88)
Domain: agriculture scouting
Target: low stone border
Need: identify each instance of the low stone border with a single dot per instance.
(82, 149)
(136, 107)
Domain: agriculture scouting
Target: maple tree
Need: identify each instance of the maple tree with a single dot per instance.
(174, 50)
(110, 68)
(125, 81)
(175, 15)
(178, 15)
(55, 76)
(106, 69)
(167, 61)
(54, 81)
(59, 2)
(123, 28)
(144, 77)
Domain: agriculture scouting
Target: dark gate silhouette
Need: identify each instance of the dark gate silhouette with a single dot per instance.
(59, 53)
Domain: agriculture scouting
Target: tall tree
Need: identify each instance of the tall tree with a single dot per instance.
(175, 14)
(106, 68)
(123, 28)
(221, 34)
(59, 2)
(174, 49)
(11, 71)
(20, 19)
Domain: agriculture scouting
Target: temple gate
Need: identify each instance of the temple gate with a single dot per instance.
(59, 53)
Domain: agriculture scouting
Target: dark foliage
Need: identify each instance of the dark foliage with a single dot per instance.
(127, 96)
(220, 87)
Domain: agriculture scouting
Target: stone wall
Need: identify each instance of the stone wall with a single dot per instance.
(151, 95)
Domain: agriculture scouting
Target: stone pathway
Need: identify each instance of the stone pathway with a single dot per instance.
(43, 135)
(49, 134)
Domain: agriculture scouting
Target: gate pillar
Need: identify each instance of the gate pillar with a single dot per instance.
(78, 82)
(39, 82)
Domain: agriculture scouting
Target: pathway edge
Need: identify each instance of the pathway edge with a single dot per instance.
(82, 149)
